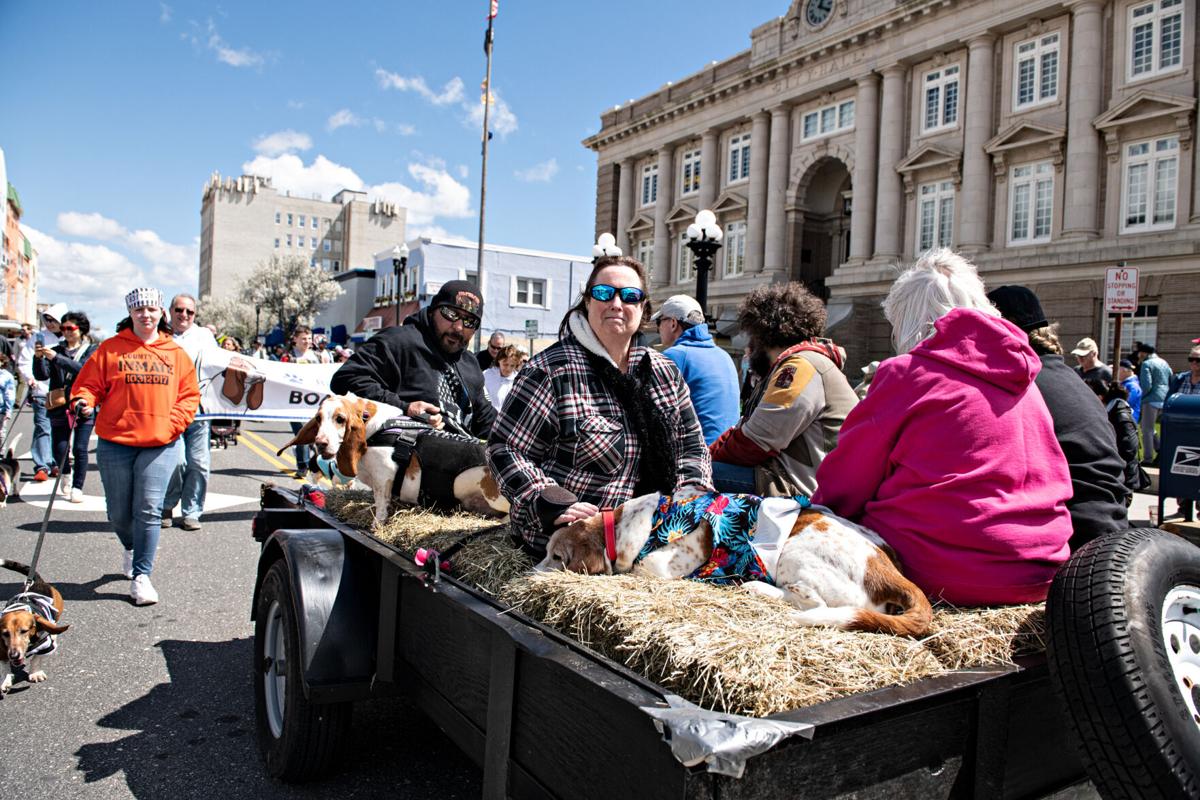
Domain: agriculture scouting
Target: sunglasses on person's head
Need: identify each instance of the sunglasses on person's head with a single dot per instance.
(189, 311)
(70, 327)
(629, 294)
(452, 314)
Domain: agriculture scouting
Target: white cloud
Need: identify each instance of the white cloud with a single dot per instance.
(90, 226)
(452, 92)
(343, 118)
(273, 144)
(429, 231)
(295, 105)
(463, 171)
(404, 129)
(210, 39)
(539, 173)
(438, 194)
(164, 15)
(168, 262)
(501, 118)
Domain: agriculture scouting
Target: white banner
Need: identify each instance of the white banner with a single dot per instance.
(234, 386)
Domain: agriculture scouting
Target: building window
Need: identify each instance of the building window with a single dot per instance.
(289, 240)
(941, 99)
(1030, 203)
(313, 242)
(337, 266)
(691, 173)
(645, 254)
(276, 242)
(739, 158)
(327, 246)
(1036, 72)
(936, 212)
(828, 120)
(687, 260)
(1142, 326)
(649, 184)
(290, 218)
(1151, 177)
(325, 264)
(277, 215)
(531, 292)
(302, 223)
(735, 249)
(314, 223)
(327, 222)
(1155, 38)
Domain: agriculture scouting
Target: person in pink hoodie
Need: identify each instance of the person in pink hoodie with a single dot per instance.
(951, 457)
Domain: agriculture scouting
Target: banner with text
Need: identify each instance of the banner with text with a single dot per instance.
(234, 386)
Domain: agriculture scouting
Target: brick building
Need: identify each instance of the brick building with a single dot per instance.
(18, 262)
(1045, 140)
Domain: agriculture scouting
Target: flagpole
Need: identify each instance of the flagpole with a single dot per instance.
(487, 98)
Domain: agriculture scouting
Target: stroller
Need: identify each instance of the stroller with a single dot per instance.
(223, 433)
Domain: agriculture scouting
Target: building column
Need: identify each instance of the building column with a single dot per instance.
(756, 212)
(866, 142)
(775, 241)
(710, 168)
(662, 207)
(889, 207)
(974, 230)
(1082, 191)
(626, 188)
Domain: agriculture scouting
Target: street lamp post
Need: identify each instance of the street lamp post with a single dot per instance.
(704, 240)
(257, 326)
(399, 264)
(605, 247)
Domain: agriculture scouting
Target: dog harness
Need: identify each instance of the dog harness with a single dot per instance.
(442, 457)
(748, 532)
(45, 642)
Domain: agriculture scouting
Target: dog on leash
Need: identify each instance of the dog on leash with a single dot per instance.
(398, 457)
(28, 628)
(834, 572)
(10, 473)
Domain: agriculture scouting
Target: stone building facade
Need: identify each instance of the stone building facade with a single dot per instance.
(245, 220)
(1046, 140)
(19, 268)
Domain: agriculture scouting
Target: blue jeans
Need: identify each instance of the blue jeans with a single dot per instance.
(190, 480)
(40, 451)
(135, 480)
(303, 451)
(77, 464)
(733, 478)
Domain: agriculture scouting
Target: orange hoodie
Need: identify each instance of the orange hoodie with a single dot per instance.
(147, 393)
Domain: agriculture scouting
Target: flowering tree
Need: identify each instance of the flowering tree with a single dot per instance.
(288, 290)
(230, 315)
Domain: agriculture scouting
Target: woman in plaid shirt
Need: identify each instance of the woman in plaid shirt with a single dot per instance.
(596, 415)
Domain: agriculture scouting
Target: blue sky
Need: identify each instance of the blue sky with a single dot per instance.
(115, 114)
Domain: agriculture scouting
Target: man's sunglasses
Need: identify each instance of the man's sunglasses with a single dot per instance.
(189, 311)
(1194, 360)
(451, 314)
(629, 294)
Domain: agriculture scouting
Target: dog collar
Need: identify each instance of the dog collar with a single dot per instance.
(328, 467)
(610, 534)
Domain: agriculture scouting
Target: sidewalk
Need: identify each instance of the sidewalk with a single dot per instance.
(1145, 504)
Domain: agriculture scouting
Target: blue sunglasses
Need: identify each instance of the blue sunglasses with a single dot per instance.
(629, 294)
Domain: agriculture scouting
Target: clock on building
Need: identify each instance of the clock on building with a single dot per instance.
(816, 12)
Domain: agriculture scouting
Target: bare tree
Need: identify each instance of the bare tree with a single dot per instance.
(288, 290)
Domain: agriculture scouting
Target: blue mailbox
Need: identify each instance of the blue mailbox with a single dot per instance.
(1179, 456)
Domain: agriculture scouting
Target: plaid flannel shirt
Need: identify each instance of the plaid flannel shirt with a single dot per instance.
(560, 425)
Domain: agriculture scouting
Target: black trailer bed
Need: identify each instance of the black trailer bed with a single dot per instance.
(545, 716)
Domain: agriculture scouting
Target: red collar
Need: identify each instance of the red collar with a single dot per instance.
(610, 534)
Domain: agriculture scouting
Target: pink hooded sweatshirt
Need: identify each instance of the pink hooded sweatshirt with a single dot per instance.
(952, 459)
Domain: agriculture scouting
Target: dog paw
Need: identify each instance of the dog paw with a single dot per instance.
(6, 685)
(762, 589)
(37, 677)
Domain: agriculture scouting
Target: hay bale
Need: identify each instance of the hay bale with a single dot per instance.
(719, 647)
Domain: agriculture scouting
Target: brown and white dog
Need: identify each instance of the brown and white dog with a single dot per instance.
(836, 573)
(28, 627)
(10, 473)
(339, 431)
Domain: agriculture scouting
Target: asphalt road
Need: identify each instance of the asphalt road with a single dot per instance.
(157, 701)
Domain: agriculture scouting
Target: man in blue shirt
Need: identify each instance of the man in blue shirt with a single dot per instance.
(1155, 376)
(707, 369)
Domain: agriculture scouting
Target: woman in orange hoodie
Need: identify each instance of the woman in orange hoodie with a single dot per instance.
(142, 387)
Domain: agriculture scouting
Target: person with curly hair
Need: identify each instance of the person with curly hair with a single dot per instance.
(792, 419)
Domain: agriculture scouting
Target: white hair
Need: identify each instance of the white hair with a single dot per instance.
(940, 281)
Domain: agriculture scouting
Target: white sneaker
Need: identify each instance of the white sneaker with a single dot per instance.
(64, 489)
(127, 565)
(142, 592)
(77, 495)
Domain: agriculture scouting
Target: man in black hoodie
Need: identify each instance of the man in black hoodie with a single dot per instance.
(1080, 424)
(419, 366)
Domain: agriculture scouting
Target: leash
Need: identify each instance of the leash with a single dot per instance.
(37, 550)
(435, 562)
(12, 423)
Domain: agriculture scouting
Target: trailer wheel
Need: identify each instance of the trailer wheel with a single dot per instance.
(298, 740)
(1124, 653)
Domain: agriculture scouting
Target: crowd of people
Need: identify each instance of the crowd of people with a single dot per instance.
(977, 452)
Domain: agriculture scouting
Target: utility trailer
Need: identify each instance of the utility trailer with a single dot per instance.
(341, 616)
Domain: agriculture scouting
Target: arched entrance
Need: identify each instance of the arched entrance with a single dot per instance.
(820, 220)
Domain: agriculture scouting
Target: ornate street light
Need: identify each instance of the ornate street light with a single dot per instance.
(606, 245)
(704, 240)
(399, 264)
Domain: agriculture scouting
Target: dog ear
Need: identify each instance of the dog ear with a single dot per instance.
(44, 624)
(365, 408)
(307, 434)
(354, 445)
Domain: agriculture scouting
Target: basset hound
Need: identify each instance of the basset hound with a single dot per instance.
(377, 444)
(28, 628)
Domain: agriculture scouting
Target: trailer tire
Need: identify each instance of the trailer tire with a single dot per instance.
(299, 740)
(1124, 656)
